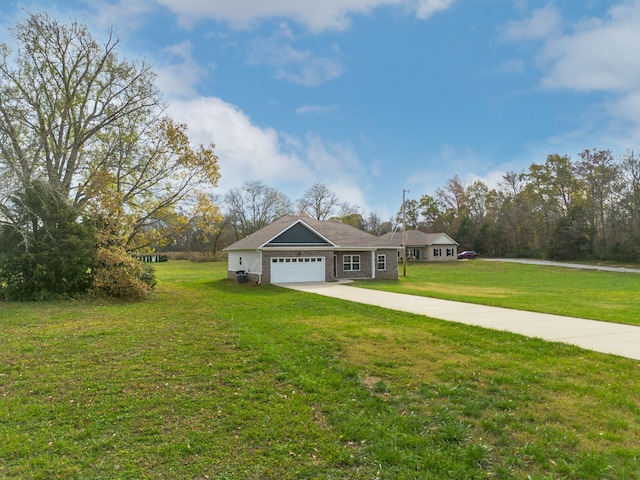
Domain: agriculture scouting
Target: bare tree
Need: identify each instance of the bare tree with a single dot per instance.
(318, 202)
(452, 195)
(255, 205)
(59, 96)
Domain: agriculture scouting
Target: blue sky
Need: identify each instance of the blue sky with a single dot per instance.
(371, 97)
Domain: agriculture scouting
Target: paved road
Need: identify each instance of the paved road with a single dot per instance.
(564, 264)
(604, 337)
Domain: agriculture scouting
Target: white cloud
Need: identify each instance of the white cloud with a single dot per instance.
(543, 23)
(125, 14)
(338, 166)
(598, 55)
(490, 179)
(245, 151)
(427, 8)
(625, 110)
(315, 16)
(248, 152)
(302, 67)
(317, 109)
(179, 78)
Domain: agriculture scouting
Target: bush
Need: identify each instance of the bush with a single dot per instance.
(119, 274)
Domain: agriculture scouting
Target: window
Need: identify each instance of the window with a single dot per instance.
(437, 252)
(449, 252)
(382, 262)
(351, 263)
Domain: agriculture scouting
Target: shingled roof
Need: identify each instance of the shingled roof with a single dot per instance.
(416, 237)
(338, 234)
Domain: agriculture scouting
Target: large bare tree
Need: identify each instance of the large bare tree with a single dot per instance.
(89, 125)
(255, 205)
(318, 202)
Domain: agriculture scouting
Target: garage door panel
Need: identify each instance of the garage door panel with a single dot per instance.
(297, 269)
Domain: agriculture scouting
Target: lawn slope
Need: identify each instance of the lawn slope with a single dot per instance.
(219, 380)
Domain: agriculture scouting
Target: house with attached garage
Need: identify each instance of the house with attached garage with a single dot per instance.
(303, 249)
(424, 246)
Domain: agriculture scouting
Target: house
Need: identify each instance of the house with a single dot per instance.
(303, 249)
(424, 246)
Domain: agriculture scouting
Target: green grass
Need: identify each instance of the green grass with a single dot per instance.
(598, 295)
(219, 380)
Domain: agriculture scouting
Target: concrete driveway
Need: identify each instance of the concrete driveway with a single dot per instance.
(604, 337)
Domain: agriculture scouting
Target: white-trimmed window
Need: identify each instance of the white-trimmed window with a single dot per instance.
(382, 262)
(449, 252)
(437, 252)
(351, 263)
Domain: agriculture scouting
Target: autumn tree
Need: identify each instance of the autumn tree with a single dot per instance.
(433, 214)
(409, 216)
(599, 172)
(88, 125)
(625, 216)
(452, 195)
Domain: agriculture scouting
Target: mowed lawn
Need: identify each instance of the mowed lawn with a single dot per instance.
(211, 379)
(593, 294)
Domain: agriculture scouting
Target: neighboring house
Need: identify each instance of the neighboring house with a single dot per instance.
(303, 249)
(424, 246)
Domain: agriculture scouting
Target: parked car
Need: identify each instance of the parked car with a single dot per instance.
(467, 254)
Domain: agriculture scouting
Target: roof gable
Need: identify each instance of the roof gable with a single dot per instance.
(441, 239)
(416, 238)
(298, 234)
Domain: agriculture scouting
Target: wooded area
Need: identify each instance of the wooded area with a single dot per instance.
(563, 208)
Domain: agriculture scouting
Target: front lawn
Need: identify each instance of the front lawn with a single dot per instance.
(593, 294)
(212, 379)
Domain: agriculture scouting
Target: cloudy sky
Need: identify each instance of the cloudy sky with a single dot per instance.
(371, 97)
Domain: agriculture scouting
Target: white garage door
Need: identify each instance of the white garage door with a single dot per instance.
(298, 269)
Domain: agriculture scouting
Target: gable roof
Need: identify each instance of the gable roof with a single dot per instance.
(418, 238)
(296, 230)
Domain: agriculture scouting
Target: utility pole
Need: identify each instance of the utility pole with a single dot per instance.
(404, 235)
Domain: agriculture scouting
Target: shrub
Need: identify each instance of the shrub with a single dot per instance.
(47, 252)
(119, 274)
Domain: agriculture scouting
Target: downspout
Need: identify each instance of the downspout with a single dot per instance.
(373, 264)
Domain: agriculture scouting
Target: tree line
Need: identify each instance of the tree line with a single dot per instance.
(586, 208)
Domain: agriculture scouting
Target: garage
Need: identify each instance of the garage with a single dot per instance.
(297, 269)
